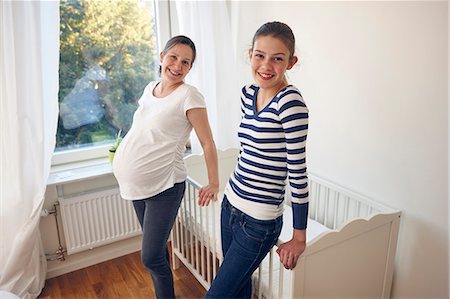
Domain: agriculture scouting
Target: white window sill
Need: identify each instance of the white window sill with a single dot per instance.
(79, 171)
(82, 170)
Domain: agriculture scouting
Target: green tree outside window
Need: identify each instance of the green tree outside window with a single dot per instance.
(107, 57)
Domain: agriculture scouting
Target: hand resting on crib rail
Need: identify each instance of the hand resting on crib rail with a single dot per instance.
(206, 193)
(290, 251)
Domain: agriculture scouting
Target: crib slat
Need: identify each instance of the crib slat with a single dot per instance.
(317, 203)
(213, 204)
(270, 272)
(347, 203)
(182, 229)
(280, 282)
(196, 234)
(260, 281)
(327, 203)
(179, 234)
(336, 209)
(208, 255)
(191, 206)
(186, 230)
(202, 244)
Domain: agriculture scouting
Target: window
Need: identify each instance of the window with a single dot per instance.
(108, 54)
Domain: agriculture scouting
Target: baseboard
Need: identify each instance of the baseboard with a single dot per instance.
(94, 256)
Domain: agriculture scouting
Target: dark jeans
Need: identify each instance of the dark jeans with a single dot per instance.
(156, 216)
(245, 243)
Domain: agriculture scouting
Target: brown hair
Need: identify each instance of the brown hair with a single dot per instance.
(278, 30)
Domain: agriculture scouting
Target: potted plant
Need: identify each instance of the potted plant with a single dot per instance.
(113, 148)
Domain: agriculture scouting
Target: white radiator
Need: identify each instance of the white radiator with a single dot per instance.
(97, 218)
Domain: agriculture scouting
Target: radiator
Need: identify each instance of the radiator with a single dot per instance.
(97, 218)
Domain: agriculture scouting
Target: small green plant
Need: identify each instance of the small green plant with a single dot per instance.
(113, 148)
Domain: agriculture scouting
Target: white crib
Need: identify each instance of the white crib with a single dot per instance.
(351, 241)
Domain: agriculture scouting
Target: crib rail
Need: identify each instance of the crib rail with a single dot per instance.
(194, 236)
(333, 205)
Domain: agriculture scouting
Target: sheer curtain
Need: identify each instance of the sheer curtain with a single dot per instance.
(29, 60)
(207, 23)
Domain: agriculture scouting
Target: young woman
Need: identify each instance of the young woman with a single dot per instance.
(148, 164)
(272, 134)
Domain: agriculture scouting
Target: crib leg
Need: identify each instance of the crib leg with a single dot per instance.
(175, 261)
(171, 244)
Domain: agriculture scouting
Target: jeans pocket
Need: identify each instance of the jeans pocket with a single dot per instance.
(254, 232)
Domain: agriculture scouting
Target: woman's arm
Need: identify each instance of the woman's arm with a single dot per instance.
(199, 120)
(290, 251)
(294, 119)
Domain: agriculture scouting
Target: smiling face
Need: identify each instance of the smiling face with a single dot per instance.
(176, 63)
(270, 58)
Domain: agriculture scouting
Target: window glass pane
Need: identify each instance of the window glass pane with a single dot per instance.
(107, 57)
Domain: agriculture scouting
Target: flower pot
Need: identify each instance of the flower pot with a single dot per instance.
(111, 154)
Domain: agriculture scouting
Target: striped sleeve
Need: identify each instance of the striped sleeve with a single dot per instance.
(293, 115)
(246, 100)
(243, 104)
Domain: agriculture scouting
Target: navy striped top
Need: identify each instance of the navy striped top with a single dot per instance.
(272, 153)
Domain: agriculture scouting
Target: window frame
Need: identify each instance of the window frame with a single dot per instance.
(163, 33)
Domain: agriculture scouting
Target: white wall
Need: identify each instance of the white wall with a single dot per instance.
(374, 75)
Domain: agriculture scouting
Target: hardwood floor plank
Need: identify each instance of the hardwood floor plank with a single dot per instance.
(124, 277)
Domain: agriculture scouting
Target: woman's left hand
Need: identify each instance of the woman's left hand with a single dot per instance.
(290, 251)
(206, 193)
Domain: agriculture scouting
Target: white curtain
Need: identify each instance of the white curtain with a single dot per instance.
(29, 61)
(207, 23)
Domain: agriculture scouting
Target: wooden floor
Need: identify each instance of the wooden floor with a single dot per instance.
(124, 277)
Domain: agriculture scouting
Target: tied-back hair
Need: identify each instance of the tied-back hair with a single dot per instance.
(278, 30)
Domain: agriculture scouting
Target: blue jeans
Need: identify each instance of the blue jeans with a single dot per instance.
(156, 216)
(245, 243)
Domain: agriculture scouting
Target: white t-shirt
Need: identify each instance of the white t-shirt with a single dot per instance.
(149, 159)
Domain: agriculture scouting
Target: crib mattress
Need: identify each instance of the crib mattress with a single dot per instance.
(314, 228)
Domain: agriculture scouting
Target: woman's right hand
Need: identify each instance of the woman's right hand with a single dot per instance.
(199, 120)
(206, 193)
